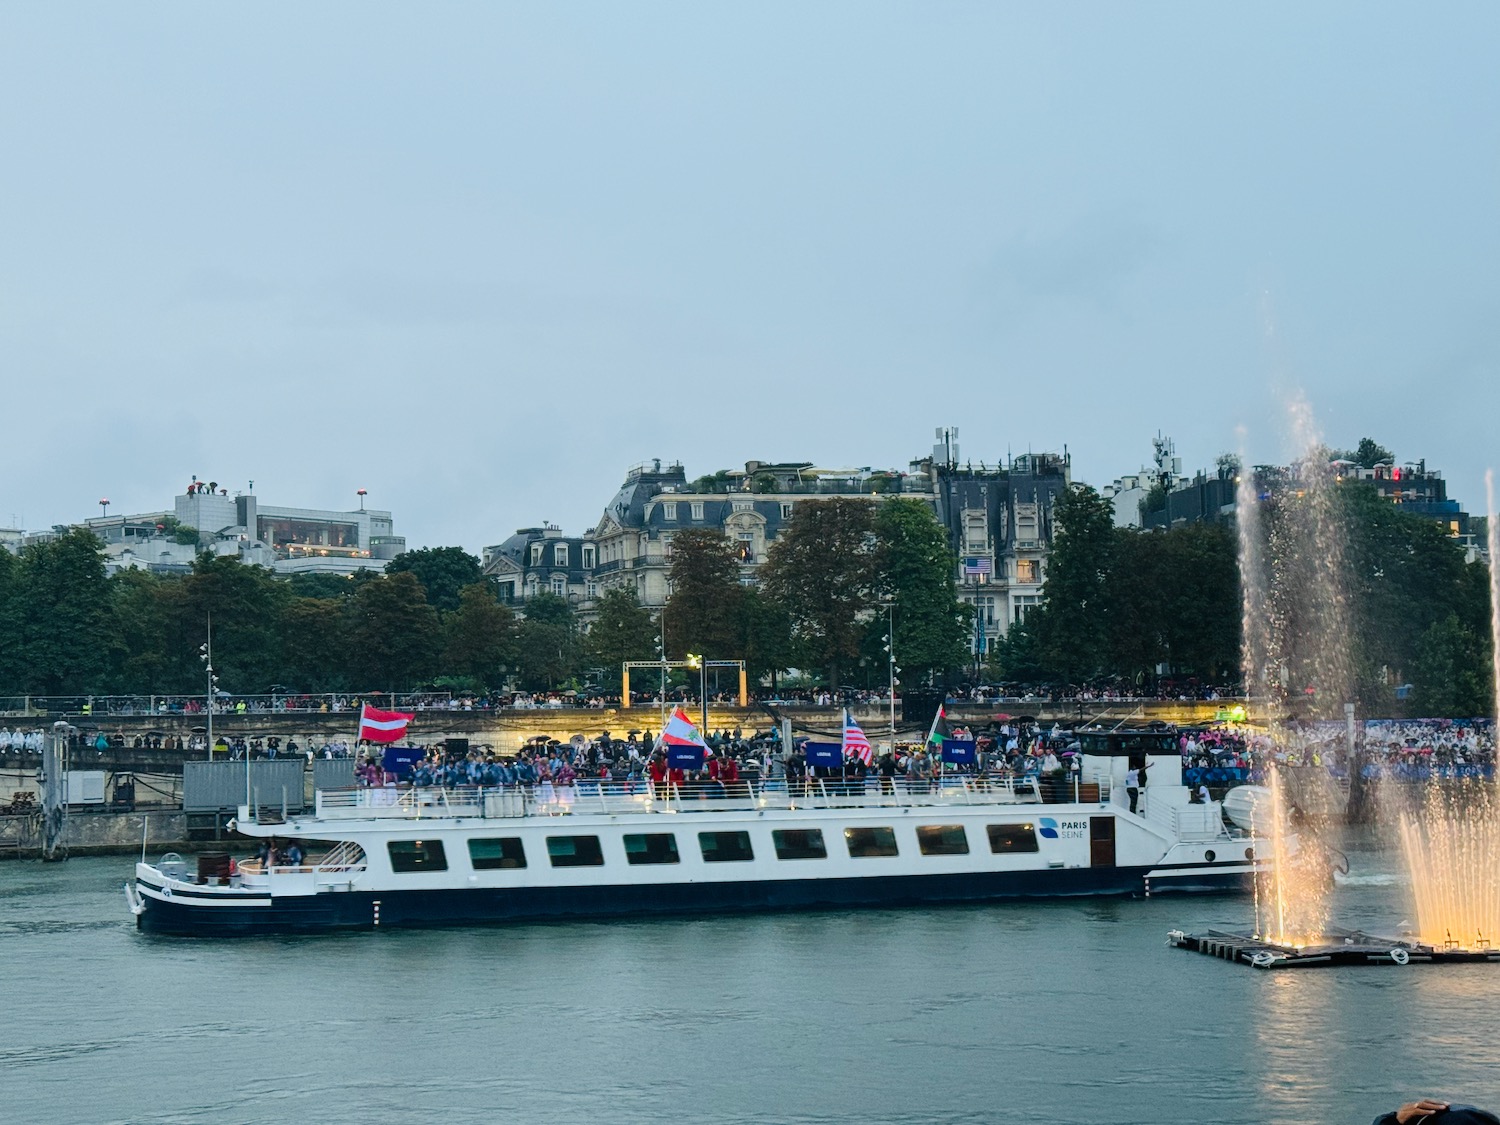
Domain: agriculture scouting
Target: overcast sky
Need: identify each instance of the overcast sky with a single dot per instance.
(480, 258)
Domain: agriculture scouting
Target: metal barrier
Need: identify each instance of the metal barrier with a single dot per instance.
(221, 786)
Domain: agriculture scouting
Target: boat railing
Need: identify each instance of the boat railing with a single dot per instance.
(342, 861)
(1198, 823)
(590, 795)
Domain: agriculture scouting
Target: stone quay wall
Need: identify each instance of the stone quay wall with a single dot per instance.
(98, 832)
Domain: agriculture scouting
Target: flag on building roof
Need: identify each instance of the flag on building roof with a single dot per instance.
(680, 738)
(856, 745)
(382, 726)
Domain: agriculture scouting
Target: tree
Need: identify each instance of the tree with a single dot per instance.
(703, 615)
(1072, 627)
(334, 586)
(1451, 672)
(1199, 600)
(820, 570)
(65, 615)
(141, 663)
(623, 630)
(394, 634)
(1016, 657)
(246, 603)
(914, 566)
(548, 643)
(12, 648)
(767, 634)
(1368, 453)
(481, 637)
(442, 571)
(315, 652)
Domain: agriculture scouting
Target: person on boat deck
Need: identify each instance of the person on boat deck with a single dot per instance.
(1430, 1111)
(294, 854)
(1133, 786)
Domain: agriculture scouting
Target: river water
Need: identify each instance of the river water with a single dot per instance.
(1059, 1012)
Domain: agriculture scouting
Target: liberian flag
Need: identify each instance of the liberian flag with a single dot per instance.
(856, 745)
(382, 726)
(683, 743)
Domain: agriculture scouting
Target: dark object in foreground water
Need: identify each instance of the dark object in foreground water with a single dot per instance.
(1337, 947)
(1429, 1112)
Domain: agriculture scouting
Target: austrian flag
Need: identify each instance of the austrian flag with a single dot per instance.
(382, 726)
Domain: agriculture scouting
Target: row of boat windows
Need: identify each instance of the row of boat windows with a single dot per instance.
(486, 854)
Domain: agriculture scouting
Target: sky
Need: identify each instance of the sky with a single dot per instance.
(480, 258)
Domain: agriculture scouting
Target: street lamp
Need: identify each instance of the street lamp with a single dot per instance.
(890, 656)
(695, 660)
(103, 507)
(661, 656)
(206, 654)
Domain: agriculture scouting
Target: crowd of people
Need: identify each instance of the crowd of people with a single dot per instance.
(23, 740)
(733, 762)
(600, 698)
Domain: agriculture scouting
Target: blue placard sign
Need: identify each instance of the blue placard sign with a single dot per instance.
(684, 757)
(824, 753)
(399, 760)
(958, 751)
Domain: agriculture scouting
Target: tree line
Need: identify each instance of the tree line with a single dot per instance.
(432, 619)
(1130, 607)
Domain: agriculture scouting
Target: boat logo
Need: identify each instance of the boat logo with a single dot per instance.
(1048, 827)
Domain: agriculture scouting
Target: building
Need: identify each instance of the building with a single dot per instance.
(538, 559)
(998, 518)
(1131, 494)
(1000, 525)
(207, 518)
(1417, 489)
(1210, 498)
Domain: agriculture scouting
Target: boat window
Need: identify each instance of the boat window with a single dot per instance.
(866, 842)
(799, 843)
(575, 851)
(651, 847)
(725, 847)
(506, 851)
(417, 855)
(943, 839)
(1012, 838)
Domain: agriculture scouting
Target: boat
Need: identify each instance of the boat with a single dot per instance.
(381, 858)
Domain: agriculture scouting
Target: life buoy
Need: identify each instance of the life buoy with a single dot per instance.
(1400, 956)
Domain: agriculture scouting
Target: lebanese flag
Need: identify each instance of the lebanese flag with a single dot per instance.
(683, 743)
(382, 726)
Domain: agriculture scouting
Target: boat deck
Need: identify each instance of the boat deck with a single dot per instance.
(1339, 947)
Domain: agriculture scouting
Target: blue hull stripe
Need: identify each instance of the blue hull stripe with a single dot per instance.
(479, 906)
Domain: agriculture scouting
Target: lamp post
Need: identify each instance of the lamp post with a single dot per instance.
(661, 655)
(103, 507)
(697, 661)
(890, 654)
(206, 654)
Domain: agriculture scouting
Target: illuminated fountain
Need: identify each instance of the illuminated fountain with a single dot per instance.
(1294, 653)
(1450, 838)
(1451, 843)
(1296, 664)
